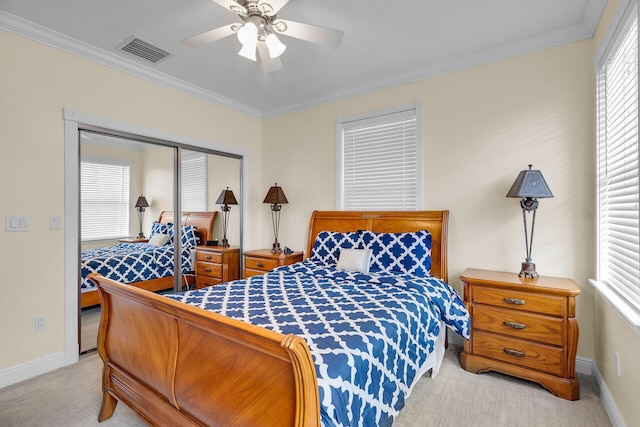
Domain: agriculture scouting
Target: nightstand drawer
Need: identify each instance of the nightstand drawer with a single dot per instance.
(520, 352)
(525, 301)
(203, 281)
(260, 264)
(209, 257)
(209, 269)
(518, 324)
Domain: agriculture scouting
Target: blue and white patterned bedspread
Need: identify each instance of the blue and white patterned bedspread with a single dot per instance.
(131, 262)
(369, 334)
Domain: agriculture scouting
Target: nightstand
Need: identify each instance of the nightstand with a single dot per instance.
(216, 264)
(523, 327)
(133, 240)
(263, 260)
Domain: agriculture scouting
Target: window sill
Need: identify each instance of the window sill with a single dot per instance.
(630, 314)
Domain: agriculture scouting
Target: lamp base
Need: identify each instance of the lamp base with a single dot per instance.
(528, 270)
(225, 243)
(276, 247)
(141, 235)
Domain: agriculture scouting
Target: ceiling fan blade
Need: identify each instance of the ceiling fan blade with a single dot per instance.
(232, 6)
(311, 33)
(269, 64)
(271, 7)
(210, 36)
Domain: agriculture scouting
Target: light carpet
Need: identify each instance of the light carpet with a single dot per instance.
(71, 396)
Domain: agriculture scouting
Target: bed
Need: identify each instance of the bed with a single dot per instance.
(145, 265)
(176, 360)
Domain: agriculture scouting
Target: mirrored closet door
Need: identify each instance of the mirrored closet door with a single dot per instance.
(130, 189)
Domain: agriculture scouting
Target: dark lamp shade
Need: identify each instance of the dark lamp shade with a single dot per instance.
(226, 198)
(142, 202)
(530, 184)
(275, 195)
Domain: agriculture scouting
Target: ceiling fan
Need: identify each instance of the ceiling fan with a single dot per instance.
(259, 29)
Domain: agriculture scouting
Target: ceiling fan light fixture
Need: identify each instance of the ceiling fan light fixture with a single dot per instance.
(248, 50)
(275, 46)
(248, 34)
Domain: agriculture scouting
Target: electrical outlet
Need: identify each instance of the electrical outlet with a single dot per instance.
(40, 323)
(616, 359)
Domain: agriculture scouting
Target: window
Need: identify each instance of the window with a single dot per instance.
(194, 182)
(104, 199)
(379, 161)
(618, 171)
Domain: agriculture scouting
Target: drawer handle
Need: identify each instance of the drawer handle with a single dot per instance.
(207, 269)
(259, 264)
(514, 325)
(207, 257)
(513, 352)
(514, 301)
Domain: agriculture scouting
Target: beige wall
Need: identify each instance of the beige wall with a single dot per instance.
(480, 127)
(37, 83)
(157, 182)
(225, 172)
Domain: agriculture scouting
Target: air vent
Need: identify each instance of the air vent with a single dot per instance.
(144, 50)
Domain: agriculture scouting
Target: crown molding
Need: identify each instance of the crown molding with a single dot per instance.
(583, 30)
(67, 44)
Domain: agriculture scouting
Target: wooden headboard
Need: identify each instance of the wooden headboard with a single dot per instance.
(388, 222)
(203, 221)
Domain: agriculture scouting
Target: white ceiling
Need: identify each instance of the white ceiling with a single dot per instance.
(385, 43)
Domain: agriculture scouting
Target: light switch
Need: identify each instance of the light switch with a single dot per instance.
(16, 223)
(55, 222)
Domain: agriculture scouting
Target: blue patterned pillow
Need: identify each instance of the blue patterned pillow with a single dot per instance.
(408, 253)
(189, 236)
(327, 245)
(157, 228)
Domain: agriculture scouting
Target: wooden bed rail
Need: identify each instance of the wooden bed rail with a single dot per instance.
(174, 364)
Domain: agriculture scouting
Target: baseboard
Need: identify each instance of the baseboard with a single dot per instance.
(584, 366)
(22, 372)
(589, 367)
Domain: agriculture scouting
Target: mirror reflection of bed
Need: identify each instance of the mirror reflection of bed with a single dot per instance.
(151, 260)
(150, 169)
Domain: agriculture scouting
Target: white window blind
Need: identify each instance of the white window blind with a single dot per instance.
(380, 162)
(618, 185)
(104, 199)
(194, 182)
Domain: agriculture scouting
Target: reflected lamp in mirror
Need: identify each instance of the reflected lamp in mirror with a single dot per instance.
(226, 199)
(529, 186)
(141, 203)
(275, 197)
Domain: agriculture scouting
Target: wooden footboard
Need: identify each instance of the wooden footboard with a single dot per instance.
(174, 364)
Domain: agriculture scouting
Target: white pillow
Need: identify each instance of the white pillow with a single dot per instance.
(354, 260)
(159, 239)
